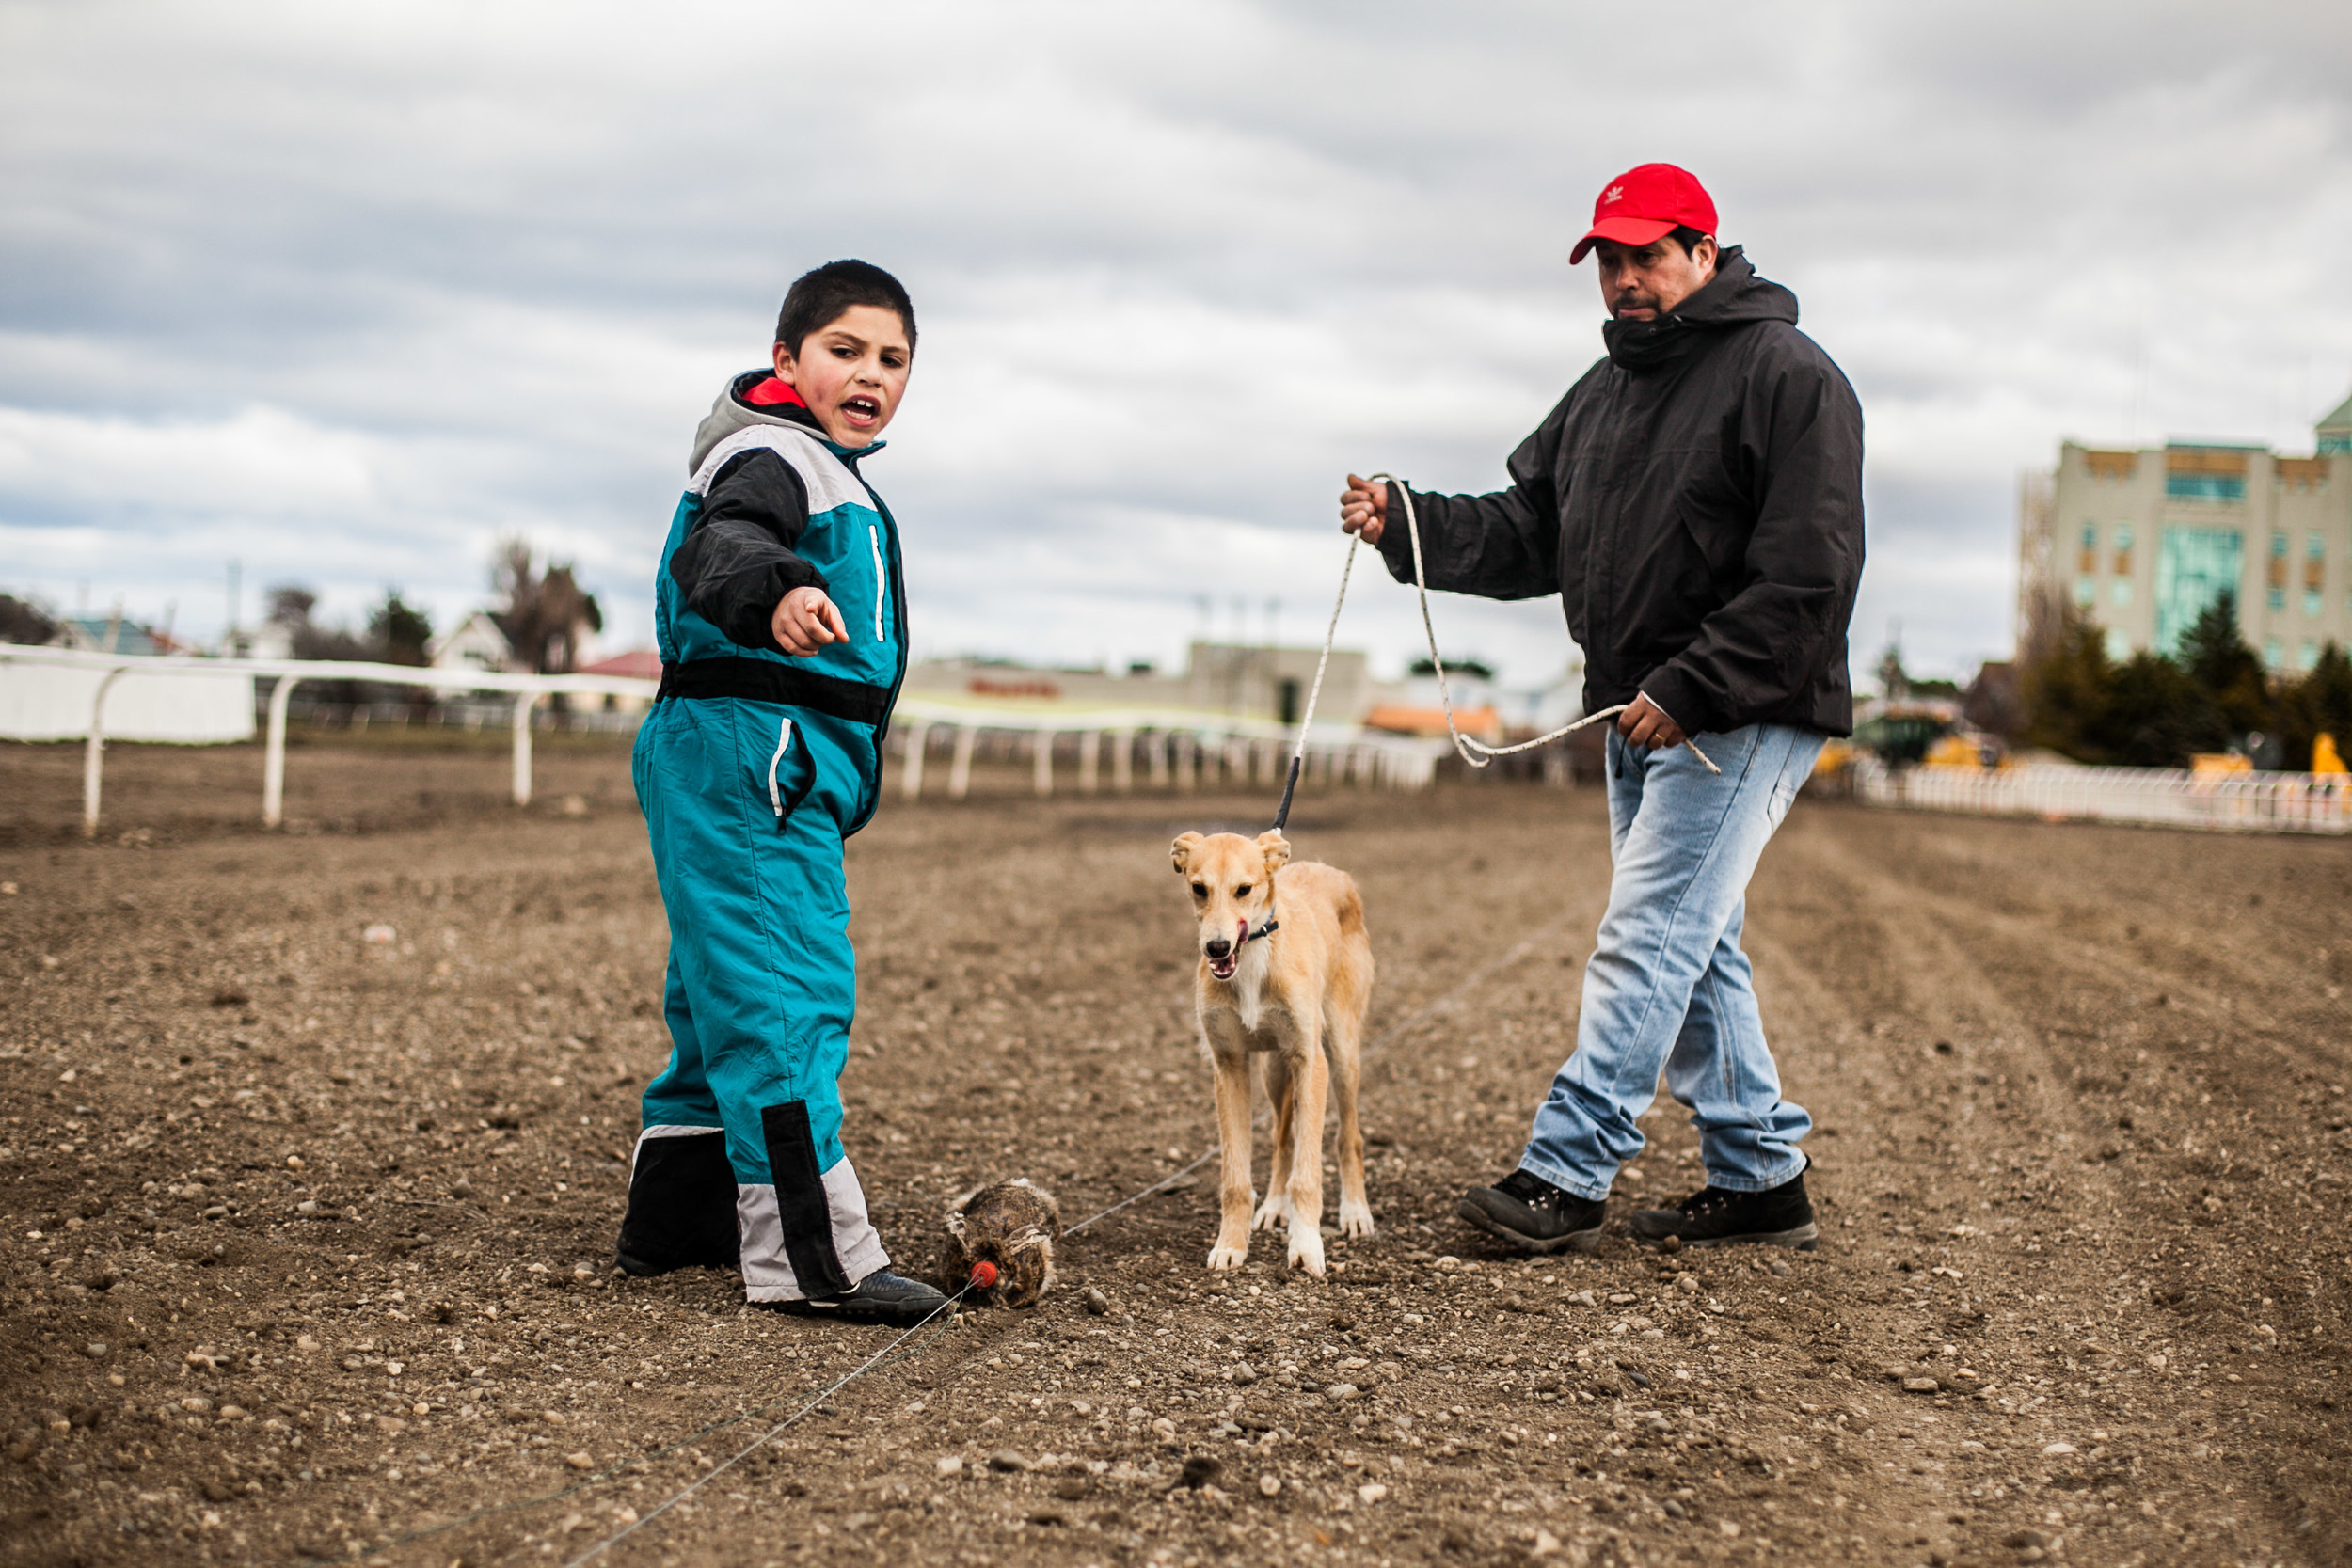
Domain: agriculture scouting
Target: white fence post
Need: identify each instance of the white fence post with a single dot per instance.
(1162, 746)
(960, 768)
(93, 756)
(919, 739)
(1089, 762)
(274, 752)
(524, 703)
(1124, 760)
(1044, 780)
(1187, 760)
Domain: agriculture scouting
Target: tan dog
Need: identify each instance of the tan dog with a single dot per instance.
(1286, 972)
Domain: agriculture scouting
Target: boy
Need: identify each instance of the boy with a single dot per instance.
(782, 623)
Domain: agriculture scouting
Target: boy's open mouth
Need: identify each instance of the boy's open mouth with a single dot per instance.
(861, 408)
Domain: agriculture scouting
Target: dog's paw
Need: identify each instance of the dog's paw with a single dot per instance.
(1355, 1218)
(1306, 1251)
(1275, 1211)
(1225, 1258)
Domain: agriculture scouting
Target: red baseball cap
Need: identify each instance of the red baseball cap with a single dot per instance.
(1646, 204)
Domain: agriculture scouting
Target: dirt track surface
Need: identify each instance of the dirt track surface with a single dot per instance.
(307, 1237)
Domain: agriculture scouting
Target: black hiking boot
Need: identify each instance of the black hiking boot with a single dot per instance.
(880, 1297)
(1530, 1213)
(1716, 1216)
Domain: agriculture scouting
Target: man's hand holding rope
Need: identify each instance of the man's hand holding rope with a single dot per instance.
(1364, 512)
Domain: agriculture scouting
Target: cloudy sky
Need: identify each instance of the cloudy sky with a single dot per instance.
(347, 291)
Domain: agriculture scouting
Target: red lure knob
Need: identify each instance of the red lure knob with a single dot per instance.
(983, 1274)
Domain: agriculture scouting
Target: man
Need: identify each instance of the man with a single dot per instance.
(1696, 502)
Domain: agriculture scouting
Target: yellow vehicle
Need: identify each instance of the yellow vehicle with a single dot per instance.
(2216, 765)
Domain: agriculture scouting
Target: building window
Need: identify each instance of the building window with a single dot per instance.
(2123, 554)
(2119, 644)
(2086, 591)
(2278, 598)
(2310, 604)
(2089, 562)
(2205, 474)
(2194, 568)
(2306, 657)
(2224, 488)
(2119, 593)
(2274, 653)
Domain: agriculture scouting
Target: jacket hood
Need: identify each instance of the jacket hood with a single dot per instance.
(1734, 297)
(755, 397)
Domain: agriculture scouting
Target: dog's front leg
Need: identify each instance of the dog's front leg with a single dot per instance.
(1230, 1064)
(1309, 1080)
(1277, 1206)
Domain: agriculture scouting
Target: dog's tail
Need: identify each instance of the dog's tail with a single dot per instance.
(1350, 908)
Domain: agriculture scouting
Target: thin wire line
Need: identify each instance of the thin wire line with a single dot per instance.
(879, 1358)
(424, 1532)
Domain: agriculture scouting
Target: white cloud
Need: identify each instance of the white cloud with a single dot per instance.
(350, 290)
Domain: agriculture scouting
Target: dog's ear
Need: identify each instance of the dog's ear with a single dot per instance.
(1181, 851)
(1275, 849)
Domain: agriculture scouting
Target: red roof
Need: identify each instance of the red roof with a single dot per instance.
(639, 664)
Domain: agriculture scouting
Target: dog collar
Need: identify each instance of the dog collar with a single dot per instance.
(1268, 929)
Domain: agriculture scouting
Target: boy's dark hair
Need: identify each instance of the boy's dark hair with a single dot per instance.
(817, 297)
(1683, 235)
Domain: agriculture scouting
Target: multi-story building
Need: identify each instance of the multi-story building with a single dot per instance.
(2142, 542)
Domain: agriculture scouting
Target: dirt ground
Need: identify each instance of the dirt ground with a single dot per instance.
(307, 1235)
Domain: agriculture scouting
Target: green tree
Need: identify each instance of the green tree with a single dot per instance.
(548, 614)
(2066, 687)
(398, 630)
(25, 621)
(2319, 703)
(2217, 658)
(2157, 715)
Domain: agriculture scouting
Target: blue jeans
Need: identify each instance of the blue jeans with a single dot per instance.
(1667, 986)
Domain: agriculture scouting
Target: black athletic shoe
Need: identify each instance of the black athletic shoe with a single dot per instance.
(1715, 1216)
(1530, 1213)
(880, 1297)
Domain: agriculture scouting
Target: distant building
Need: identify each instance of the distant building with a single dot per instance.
(477, 642)
(104, 634)
(1227, 680)
(2142, 541)
(637, 664)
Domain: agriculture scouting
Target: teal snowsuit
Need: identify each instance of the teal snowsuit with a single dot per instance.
(753, 769)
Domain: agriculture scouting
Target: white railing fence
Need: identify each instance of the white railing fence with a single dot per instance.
(1176, 749)
(2156, 797)
(290, 673)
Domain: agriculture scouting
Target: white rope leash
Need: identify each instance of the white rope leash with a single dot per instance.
(1472, 751)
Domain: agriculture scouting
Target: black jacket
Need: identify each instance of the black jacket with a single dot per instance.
(741, 558)
(1696, 502)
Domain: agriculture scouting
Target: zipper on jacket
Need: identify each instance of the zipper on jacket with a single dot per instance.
(882, 580)
(776, 796)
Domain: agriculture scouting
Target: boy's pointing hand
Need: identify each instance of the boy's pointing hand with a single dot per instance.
(805, 621)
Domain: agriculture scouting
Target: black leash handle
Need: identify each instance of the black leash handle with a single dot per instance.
(1289, 787)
